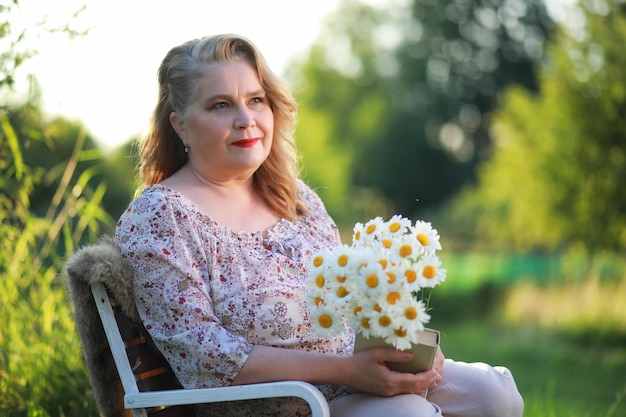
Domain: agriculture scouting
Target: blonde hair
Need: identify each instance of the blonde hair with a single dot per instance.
(162, 152)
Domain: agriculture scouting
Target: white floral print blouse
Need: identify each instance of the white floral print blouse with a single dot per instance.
(207, 294)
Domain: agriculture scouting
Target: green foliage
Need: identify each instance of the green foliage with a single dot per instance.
(329, 118)
(41, 368)
(17, 28)
(11, 56)
(48, 145)
(556, 175)
(403, 89)
(454, 59)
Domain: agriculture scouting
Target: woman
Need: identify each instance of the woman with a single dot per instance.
(220, 238)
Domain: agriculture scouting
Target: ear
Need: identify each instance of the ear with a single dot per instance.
(179, 126)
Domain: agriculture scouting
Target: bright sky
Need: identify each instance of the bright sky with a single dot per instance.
(107, 79)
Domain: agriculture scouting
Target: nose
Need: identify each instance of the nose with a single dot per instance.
(244, 119)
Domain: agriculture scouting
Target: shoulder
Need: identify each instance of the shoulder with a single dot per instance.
(309, 197)
(318, 221)
(312, 201)
(157, 207)
(158, 217)
(154, 200)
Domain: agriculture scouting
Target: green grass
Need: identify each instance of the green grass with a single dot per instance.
(558, 374)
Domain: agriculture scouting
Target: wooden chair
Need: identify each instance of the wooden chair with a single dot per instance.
(128, 374)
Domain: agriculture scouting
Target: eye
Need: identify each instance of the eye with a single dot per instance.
(257, 100)
(219, 105)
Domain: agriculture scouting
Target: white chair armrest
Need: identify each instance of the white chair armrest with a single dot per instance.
(304, 390)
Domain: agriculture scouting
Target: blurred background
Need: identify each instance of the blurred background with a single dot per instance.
(502, 122)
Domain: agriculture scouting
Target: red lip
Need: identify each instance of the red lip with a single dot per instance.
(246, 143)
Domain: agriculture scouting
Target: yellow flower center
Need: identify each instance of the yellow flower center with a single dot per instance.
(400, 332)
(357, 310)
(394, 227)
(371, 280)
(318, 261)
(325, 321)
(320, 281)
(383, 263)
(423, 239)
(384, 321)
(387, 243)
(378, 308)
(410, 276)
(393, 297)
(341, 291)
(410, 313)
(405, 250)
(357, 235)
(319, 301)
(392, 277)
(370, 229)
(365, 323)
(343, 260)
(429, 271)
(341, 278)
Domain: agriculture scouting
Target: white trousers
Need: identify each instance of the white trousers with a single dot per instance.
(466, 390)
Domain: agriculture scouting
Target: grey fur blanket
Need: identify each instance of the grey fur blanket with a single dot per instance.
(101, 262)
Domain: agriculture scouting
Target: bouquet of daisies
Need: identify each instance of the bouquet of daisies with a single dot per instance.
(376, 282)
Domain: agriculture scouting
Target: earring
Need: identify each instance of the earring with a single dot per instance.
(187, 148)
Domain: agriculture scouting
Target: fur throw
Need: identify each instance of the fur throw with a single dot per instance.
(101, 262)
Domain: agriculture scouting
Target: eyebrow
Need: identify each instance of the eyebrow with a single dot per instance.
(215, 97)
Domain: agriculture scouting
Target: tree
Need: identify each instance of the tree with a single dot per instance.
(406, 89)
(555, 178)
(457, 57)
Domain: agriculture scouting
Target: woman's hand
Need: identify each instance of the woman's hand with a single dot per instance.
(368, 372)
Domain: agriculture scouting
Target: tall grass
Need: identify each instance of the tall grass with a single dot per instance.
(41, 368)
(591, 307)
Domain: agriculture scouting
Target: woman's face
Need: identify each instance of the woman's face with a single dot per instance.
(229, 126)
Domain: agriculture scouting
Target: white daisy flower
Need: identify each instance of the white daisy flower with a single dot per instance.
(404, 248)
(315, 296)
(325, 320)
(341, 263)
(381, 323)
(408, 274)
(338, 295)
(317, 279)
(359, 316)
(363, 325)
(401, 338)
(357, 234)
(391, 299)
(371, 280)
(427, 237)
(397, 226)
(380, 257)
(414, 315)
(394, 274)
(430, 272)
(319, 262)
(372, 230)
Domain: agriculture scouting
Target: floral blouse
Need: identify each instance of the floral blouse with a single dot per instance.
(207, 294)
